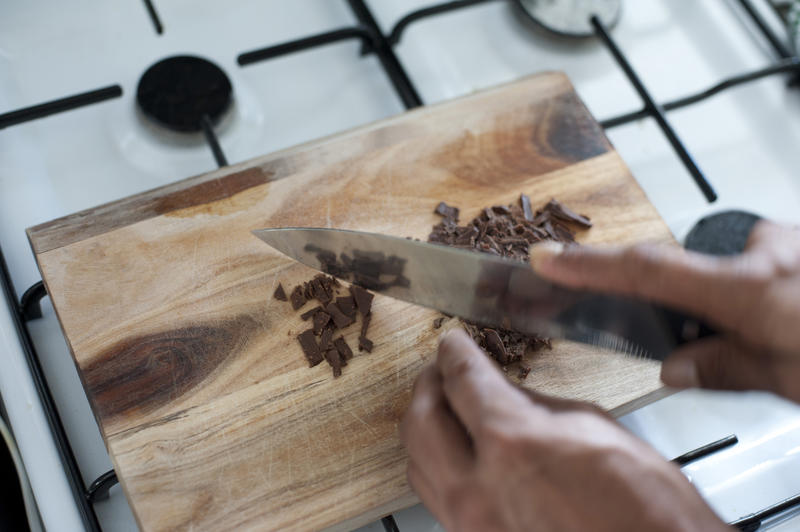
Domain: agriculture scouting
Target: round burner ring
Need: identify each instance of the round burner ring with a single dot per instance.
(571, 17)
(177, 92)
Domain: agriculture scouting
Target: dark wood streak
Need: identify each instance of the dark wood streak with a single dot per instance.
(137, 375)
(150, 204)
(572, 134)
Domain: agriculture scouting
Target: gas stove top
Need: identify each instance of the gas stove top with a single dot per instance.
(85, 119)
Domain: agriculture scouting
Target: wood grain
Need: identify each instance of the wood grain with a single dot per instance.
(208, 409)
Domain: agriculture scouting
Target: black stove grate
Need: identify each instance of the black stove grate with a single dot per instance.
(376, 42)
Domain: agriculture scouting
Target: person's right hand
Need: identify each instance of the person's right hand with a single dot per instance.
(753, 299)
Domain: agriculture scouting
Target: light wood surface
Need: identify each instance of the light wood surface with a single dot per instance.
(210, 414)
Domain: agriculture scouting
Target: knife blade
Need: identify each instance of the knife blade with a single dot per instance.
(486, 289)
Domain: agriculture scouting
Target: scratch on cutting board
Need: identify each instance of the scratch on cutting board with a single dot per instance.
(328, 213)
(362, 422)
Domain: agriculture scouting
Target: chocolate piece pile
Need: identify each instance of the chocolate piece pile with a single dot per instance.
(335, 312)
(507, 231)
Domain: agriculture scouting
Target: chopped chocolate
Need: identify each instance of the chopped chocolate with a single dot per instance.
(321, 319)
(526, 207)
(310, 313)
(279, 294)
(365, 325)
(495, 346)
(437, 323)
(507, 231)
(523, 372)
(325, 339)
(344, 350)
(365, 344)
(298, 298)
(309, 345)
(347, 305)
(363, 299)
(448, 212)
(341, 319)
(335, 361)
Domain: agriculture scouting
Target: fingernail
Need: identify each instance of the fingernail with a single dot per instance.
(544, 252)
(680, 373)
(444, 337)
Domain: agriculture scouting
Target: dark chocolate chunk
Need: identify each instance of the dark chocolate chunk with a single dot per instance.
(450, 213)
(335, 361)
(363, 299)
(365, 344)
(321, 319)
(298, 298)
(310, 313)
(339, 318)
(565, 213)
(279, 294)
(344, 350)
(365, 325)
(325, 339)
(309, 345)
(347, 305)
(495, 346)
(437, 323)
(527, 213)
(523, 372)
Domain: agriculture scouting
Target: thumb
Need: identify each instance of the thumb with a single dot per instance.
(723, 363)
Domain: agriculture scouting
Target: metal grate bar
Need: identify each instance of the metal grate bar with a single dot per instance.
(48, 405)
(656, 112)
(397, 74)
(437, 9)
(151, 10)
(98, 490)
(791, 64)
(305, 43)
(213, 141)
(759, 21)
(57, 106)
(705, 450)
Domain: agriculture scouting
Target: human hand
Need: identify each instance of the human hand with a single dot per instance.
(753, 299)
(485, 455)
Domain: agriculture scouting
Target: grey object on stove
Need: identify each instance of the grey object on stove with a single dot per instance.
(723, 233)
(571, 17)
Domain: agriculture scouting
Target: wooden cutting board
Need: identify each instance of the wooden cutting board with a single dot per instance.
(209, 411)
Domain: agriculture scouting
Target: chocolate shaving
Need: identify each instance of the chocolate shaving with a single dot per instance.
(343, 349)
(321, 319)
(523, 372)
(335, 361)
(325, 339)
(437, 323)
(365, 344)
(339, 318)
(448, 212)
(347, 305)
(507, 231)
(279, 294)
(309, 345)
(310, 313)
(297, 298)
(365, 324)
(363, 299)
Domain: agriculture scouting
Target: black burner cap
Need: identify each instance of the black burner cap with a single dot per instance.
(724, 233)
(178, 91)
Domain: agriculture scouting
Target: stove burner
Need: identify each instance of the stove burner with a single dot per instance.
(570, 18)
(177, 92)
(724, 233)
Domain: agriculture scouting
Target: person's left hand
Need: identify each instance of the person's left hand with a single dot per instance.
(486, 455)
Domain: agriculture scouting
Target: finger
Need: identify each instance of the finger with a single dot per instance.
(559, 404)
(475, 388)
(722, 363)
(696, 283)
(426, 492)
(432, 435)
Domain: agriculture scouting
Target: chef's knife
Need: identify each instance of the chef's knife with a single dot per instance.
(486, 289)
